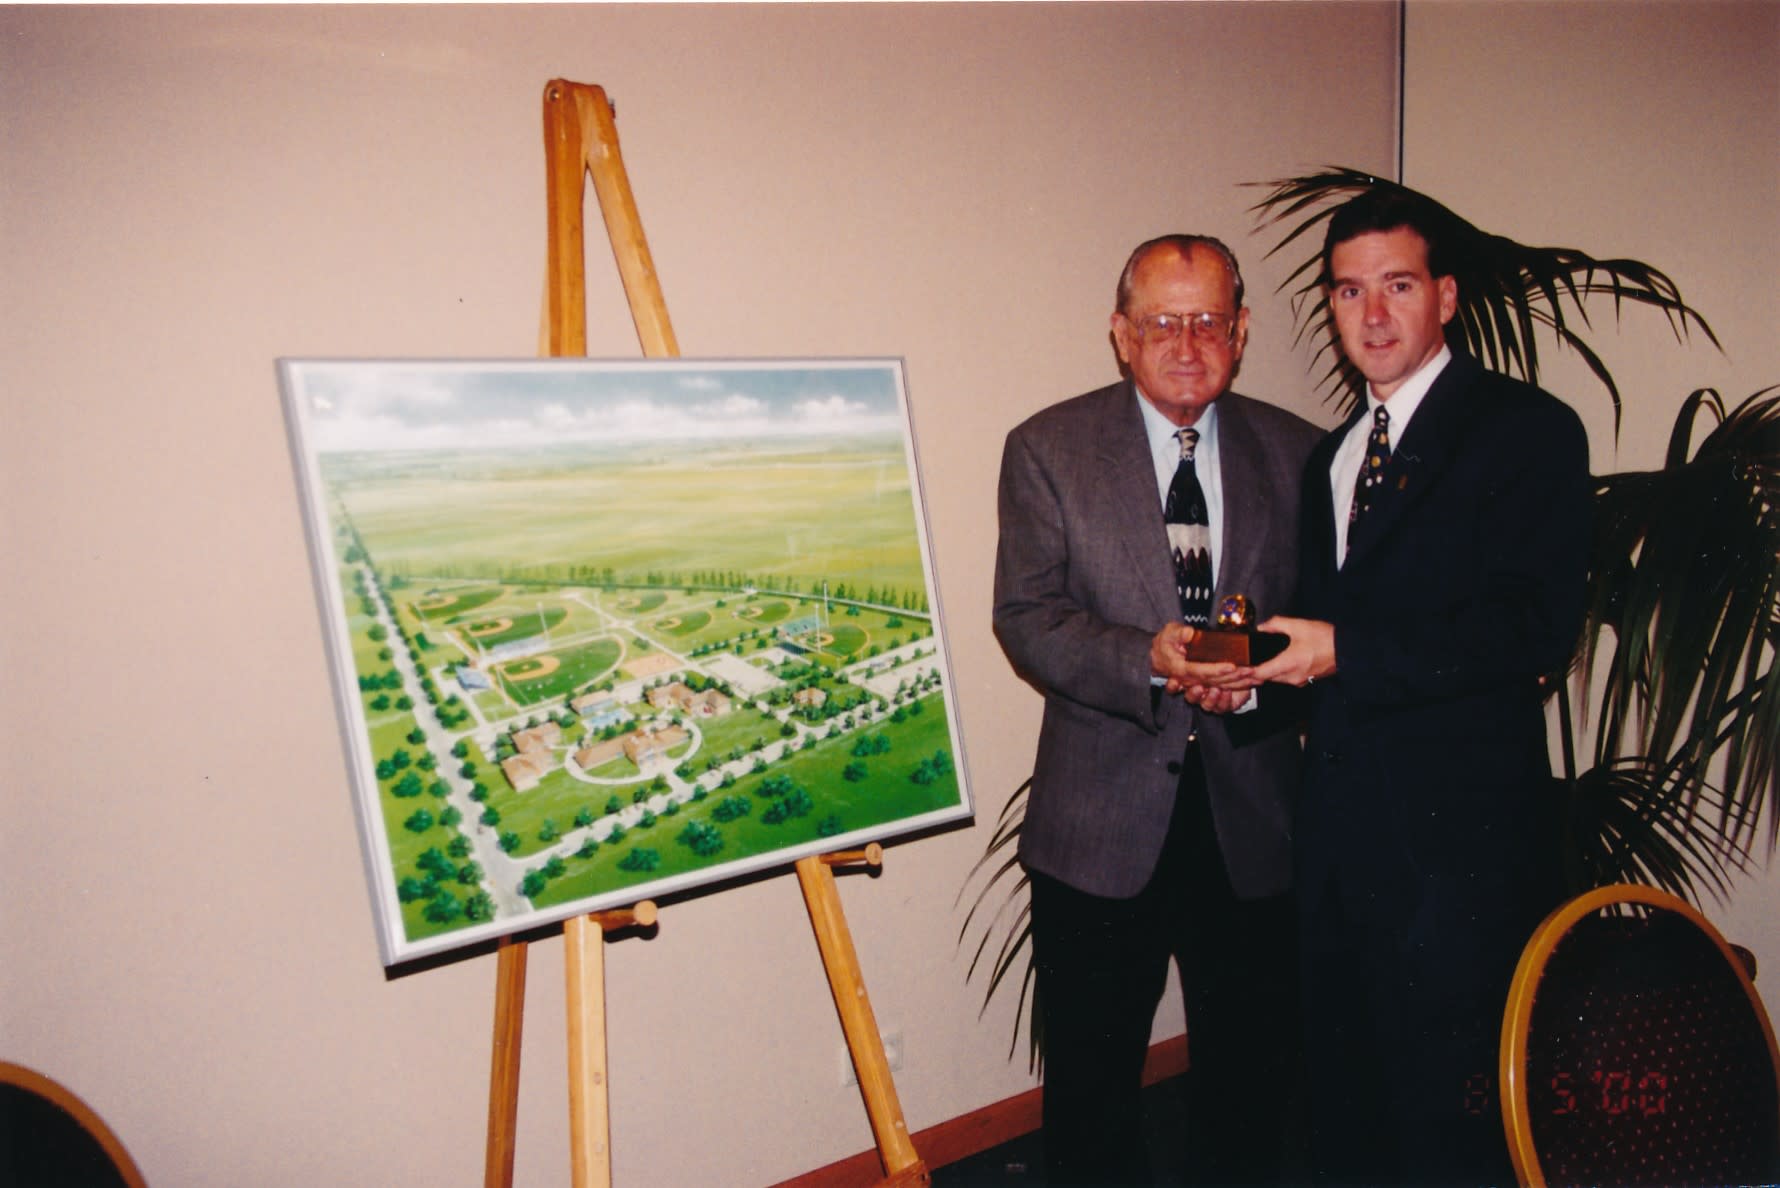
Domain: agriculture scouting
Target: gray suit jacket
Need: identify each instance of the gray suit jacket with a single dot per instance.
(1083, 581)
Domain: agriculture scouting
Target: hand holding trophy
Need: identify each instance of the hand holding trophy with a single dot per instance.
(1232, 637)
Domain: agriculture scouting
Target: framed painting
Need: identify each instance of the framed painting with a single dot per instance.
(601, 631)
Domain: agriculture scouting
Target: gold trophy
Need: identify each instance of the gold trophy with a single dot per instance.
(1232, 637)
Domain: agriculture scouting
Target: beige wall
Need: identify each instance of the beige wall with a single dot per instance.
(186, 194)
(1646, 129)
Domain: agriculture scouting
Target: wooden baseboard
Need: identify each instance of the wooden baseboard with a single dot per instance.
(967, 1134)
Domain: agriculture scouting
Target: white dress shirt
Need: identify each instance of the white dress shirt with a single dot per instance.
(1165, 453)
(1344, 469)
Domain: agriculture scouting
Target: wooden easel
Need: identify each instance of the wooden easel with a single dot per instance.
(584, 963)
(581, 139)
(901, 1164)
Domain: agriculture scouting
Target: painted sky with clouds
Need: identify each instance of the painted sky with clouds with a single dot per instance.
(381, 405)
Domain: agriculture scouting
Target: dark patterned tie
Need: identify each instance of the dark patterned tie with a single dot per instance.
(1189, 535)
(1378, 454)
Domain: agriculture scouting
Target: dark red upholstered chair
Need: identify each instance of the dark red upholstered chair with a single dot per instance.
(1635, 1051)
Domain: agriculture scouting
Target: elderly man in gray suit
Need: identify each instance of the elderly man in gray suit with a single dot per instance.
(1159, 820)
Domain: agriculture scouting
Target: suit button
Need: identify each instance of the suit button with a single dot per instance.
(1174, 768)
(1328, 756)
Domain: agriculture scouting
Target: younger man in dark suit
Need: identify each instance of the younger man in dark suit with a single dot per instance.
(1152, 830)
(1445, 540)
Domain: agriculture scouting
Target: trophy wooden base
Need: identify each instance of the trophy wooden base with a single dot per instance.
(1244, 648)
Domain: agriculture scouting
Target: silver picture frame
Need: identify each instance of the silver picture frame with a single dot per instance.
(604, 631)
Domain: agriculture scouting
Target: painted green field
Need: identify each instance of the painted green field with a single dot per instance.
(576, 667)
(407, 845)
(844, 514)
(763, 612)
(707, 619)
(725, 627)
(435, 604)
(848, 639)
(620, 559)
(679, 626)
(388, 729)
(739, 728)
(491, 632)
(885, 794)
(558, 797)
(842, 805)
(633, 602)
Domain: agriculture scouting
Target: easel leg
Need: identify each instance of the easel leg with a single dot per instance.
(503, 1081)
(581, 141)
(901, 1164)
(580, 138)
(590, 1151)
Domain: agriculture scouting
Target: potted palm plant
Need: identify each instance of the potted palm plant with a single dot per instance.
(1668, 715)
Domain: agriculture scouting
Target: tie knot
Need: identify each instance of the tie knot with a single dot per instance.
(1381, 419)
(1189, 441)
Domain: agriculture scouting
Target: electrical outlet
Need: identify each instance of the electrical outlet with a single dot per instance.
(892, 1048)
(892, 1041)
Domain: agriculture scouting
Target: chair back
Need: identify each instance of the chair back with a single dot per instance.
(1635, 1051)
(49, 1138)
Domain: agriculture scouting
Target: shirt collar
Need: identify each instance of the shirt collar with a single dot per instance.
(1406, 399)
(1161, 430)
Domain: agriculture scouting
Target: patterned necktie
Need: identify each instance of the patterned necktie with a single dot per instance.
(1189, 535)
(1366, 483)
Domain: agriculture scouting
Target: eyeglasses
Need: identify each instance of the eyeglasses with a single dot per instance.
(1204, 327)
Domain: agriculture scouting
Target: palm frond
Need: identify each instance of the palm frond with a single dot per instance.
(1506, 289)
(1007, 833)
(1685, 591)
(1626, 824)
(997, 921)
(1007, 926)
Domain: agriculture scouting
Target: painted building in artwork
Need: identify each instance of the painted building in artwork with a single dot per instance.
(536, 756)
(526, 769)
(598, 752)
(599, 710)
(538, 738)
(651, 746)
(641, 747)
(709, 703)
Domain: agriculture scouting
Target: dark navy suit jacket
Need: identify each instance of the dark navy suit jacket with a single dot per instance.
(1427, 778)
